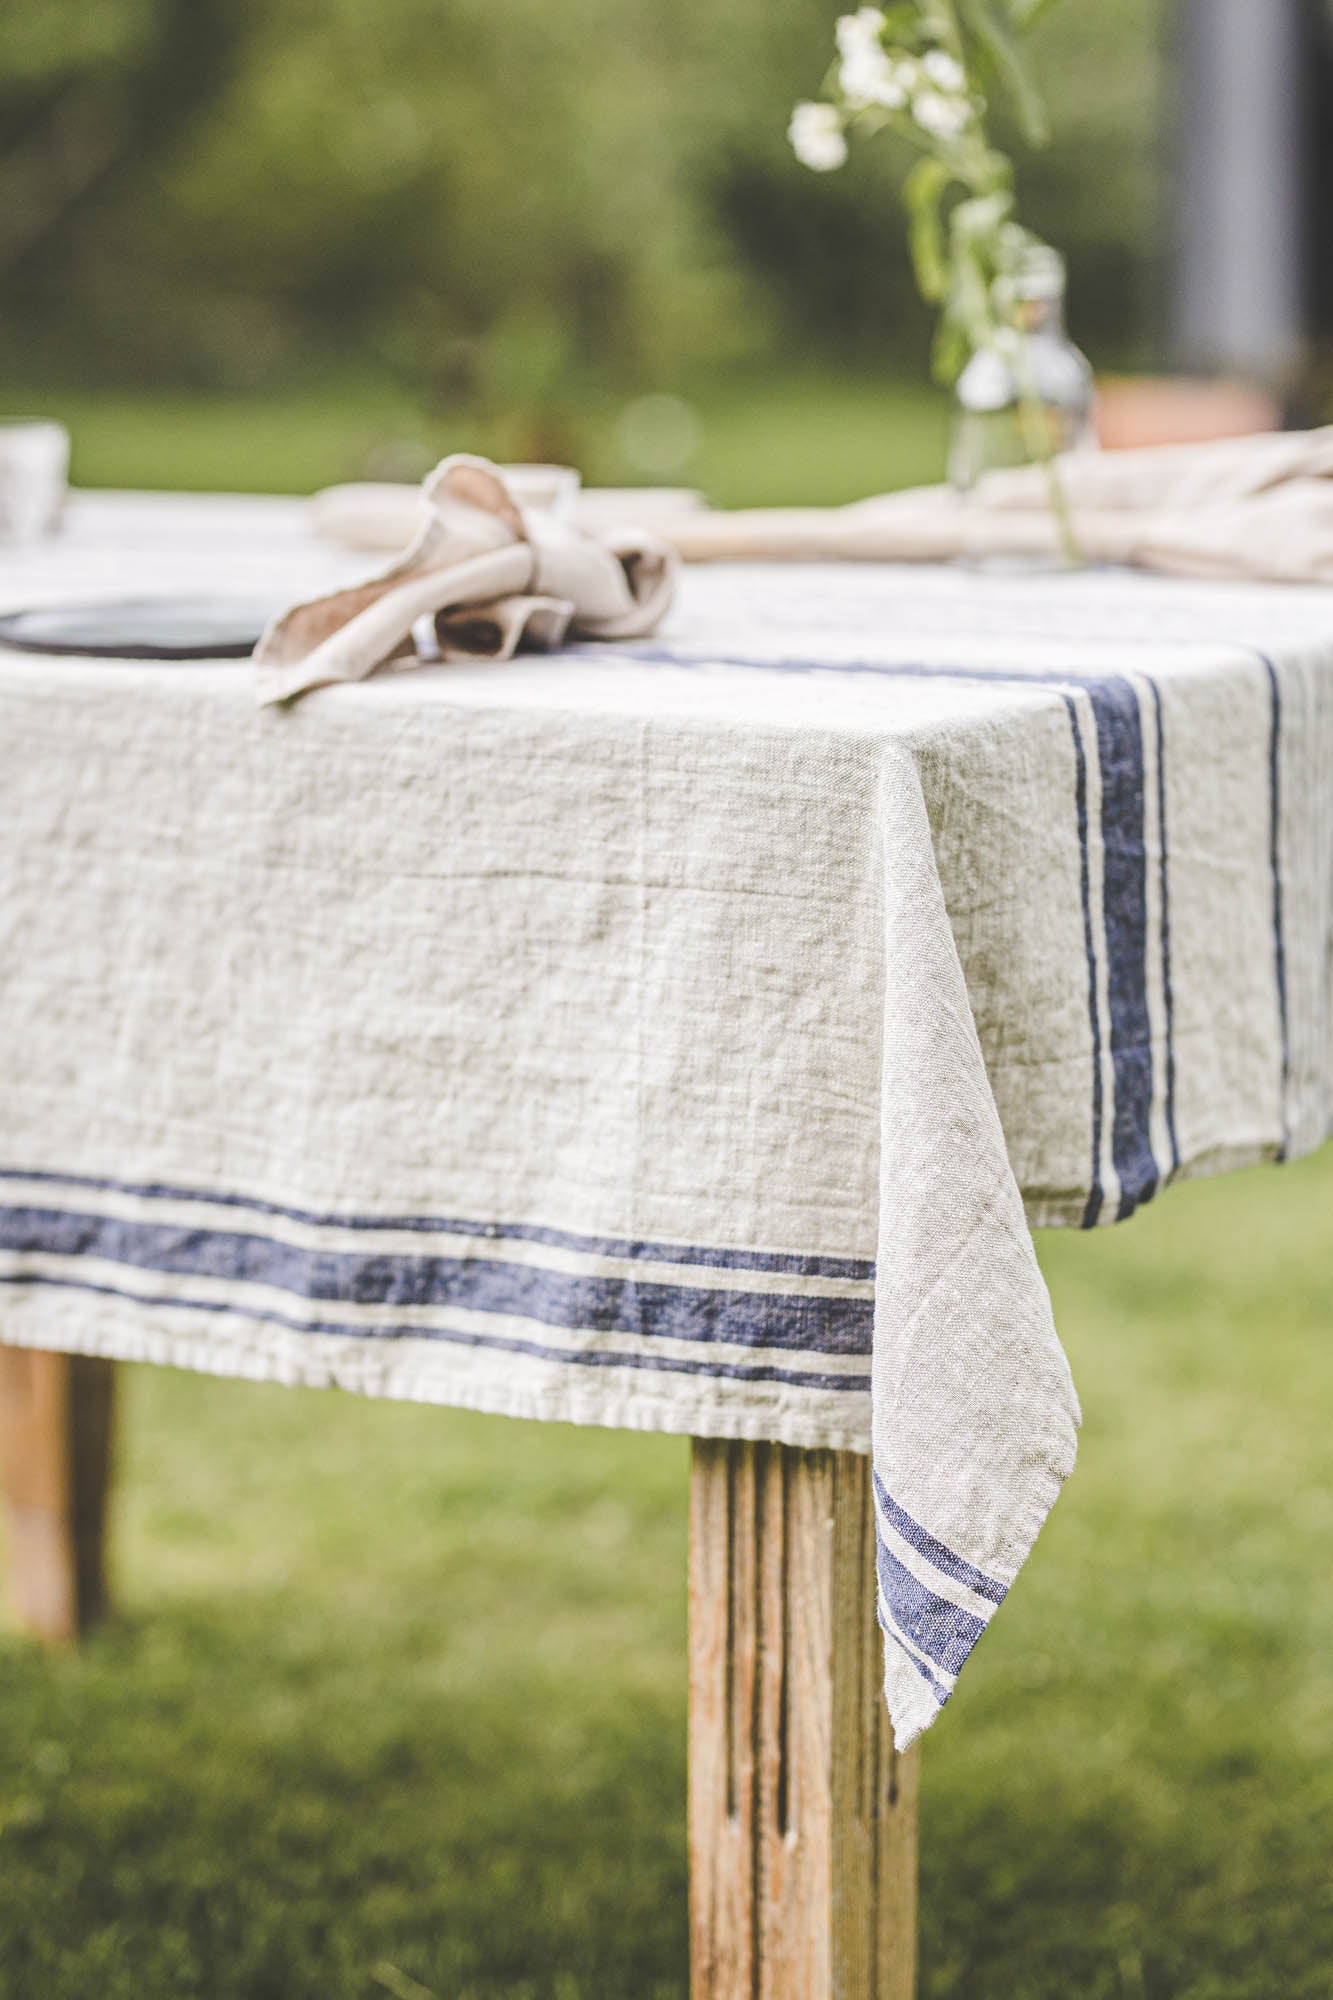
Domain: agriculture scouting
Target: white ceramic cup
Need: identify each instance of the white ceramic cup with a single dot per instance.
(34, 475)
(547, 489)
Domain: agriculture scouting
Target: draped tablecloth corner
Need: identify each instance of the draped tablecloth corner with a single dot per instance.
(681, 1035)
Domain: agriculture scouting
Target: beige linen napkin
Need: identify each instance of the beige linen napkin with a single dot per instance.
(1258, 507)
(1255, 507)
(479, 579)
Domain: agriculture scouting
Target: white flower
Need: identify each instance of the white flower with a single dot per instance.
(871, 79)
(816, 137)
(943, 117)
(944, 72)
(860, 30)
(869, 76)
(864, 67)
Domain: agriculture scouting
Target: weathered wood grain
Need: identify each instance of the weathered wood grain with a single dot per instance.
(802, 1813)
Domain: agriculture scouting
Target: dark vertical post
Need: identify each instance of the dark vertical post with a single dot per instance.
(1236, 279)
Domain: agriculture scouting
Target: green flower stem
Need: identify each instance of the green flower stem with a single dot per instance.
(966, 241)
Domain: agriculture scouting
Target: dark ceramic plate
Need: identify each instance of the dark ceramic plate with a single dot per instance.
(140, 628)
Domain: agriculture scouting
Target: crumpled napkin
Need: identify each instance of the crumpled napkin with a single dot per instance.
(1257, 507)
(480, 579)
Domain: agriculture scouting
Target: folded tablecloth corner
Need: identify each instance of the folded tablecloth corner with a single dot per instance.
(679, 1034)
(974, 1413)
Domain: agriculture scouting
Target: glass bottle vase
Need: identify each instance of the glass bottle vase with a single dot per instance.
(1033, 401)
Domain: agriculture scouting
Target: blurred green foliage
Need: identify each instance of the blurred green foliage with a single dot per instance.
(495, 205)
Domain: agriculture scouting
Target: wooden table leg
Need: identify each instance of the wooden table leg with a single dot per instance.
(55, 1461)
(802, 1813)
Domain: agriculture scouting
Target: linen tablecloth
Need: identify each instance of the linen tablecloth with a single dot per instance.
(681, 1036)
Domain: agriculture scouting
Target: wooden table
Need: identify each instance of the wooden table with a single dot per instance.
(802, 1815)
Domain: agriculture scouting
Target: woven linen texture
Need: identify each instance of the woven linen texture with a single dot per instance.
(684, 1035)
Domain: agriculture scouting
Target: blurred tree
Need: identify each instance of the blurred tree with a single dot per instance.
(94, 99)
(495, 204)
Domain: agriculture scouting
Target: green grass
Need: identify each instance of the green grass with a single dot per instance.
(395, 1700)
(761, 441)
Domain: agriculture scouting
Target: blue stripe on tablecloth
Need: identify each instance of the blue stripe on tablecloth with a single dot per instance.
(936, 1552)
(456, 1337)
(943, 1631)
(1275, 865)
(792, 1264)
(940, 1692)
(1115, 705)
(555, 1298)
(1119, 729)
